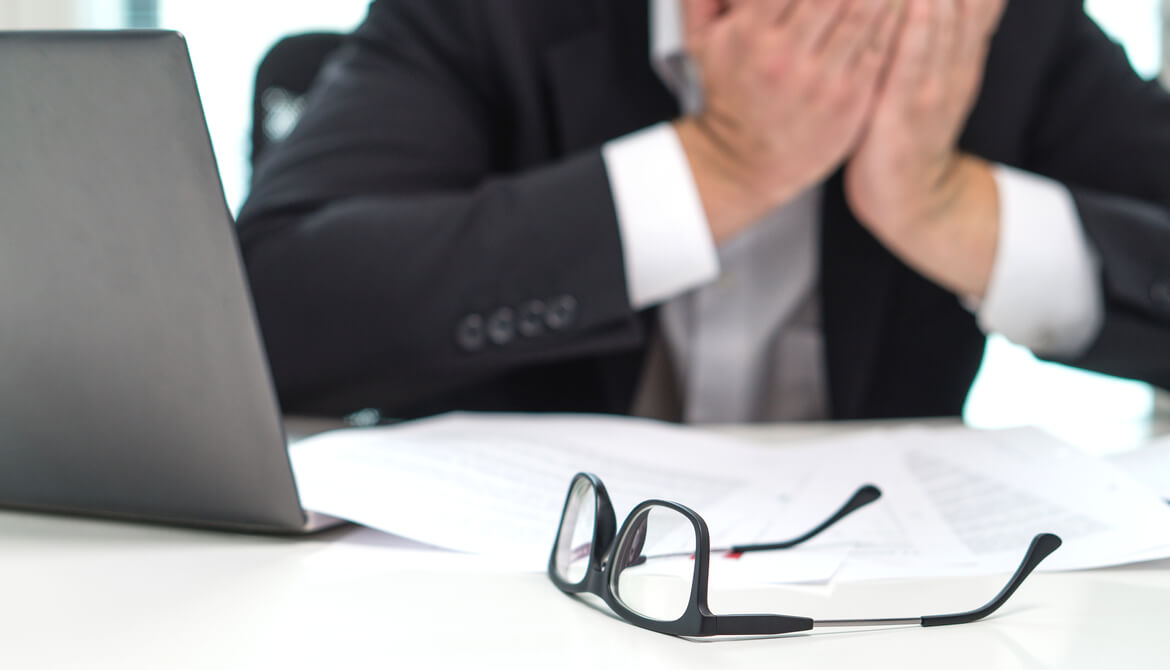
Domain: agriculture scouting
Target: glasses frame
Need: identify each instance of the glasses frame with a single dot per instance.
(698, 620)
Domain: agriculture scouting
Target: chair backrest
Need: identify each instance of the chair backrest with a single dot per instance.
(284, 77)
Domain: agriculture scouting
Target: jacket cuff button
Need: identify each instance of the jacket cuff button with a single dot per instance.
(532, 316)
(501, 327)
(562, 312)
(471, 333)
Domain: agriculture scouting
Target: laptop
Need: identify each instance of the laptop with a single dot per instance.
(133, 380)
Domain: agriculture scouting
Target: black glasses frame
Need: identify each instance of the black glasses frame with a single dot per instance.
(698, 620)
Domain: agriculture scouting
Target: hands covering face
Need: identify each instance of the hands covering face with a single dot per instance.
(910, 146)
(789, 86)
(795, 89)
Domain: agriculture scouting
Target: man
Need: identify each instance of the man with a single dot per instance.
(741, 210)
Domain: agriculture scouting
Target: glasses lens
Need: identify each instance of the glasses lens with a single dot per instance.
(575, 538)
(654, 567)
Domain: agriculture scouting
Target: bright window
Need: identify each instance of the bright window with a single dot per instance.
(227, 39)
(1137, 25)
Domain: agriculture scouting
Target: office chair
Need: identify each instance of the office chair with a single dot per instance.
(284, 77)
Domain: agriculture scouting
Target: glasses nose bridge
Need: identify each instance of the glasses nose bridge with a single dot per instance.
(596, 580)
(600, 569)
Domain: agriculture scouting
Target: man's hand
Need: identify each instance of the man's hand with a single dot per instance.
(789, 86)
(908, 183)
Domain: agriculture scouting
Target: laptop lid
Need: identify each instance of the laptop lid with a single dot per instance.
(133, 382)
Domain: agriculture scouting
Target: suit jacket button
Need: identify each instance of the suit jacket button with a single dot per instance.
(501, 327)
(531, 323)
(561, 313)
(471, 334)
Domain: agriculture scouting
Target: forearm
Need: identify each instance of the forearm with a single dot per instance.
(383, 286)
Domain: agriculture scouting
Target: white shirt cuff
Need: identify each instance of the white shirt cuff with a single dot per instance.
(1045, 291)
(666, 242)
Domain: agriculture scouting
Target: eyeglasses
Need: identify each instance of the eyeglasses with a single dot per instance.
(591, 556)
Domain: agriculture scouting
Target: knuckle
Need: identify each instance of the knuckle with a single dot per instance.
(860, 14)
(810, 72)
(931, 95)
(774, 71)
(842, 94)
(837, 101)
(920, 12)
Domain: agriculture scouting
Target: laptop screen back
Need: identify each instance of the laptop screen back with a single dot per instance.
(132, 378)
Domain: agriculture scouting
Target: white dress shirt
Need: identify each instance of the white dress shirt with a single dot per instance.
(741, 322)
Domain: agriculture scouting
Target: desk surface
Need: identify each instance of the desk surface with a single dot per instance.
(95, 594)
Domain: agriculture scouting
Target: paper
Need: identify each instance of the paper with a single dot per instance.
(497, 484)
(1149, 465)
(956, 501)
(960, 501)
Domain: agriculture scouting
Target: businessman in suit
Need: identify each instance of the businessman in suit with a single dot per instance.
(711, 210)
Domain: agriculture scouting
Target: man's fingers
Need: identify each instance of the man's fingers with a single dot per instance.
(912, 55)
(859, 31)
(770, 12)
(811, 20)
(948, 37)
(979, 20)
(986, 14)
(701, 14)
(875, 59)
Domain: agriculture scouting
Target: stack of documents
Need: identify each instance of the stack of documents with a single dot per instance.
(1149, 465)
(956, 501)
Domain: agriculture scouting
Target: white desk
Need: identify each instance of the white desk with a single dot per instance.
(93, 594)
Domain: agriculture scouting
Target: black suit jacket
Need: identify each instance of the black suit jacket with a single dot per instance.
(447, 174)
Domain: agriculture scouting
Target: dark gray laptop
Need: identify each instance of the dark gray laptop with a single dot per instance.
(133, 382)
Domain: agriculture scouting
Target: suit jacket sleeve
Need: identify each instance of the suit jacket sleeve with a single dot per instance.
(1105, 133)
(394, 213)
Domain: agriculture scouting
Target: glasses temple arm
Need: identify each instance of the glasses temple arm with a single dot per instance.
(1042, 545)
(864, 496)
(758, 624)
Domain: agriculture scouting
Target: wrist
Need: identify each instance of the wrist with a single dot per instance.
(965, 190)
(950, 231)
(932, 199)
(731, 197)
(944, 190)
(974, 213)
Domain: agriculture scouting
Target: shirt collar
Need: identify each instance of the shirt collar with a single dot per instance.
(666, 32)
